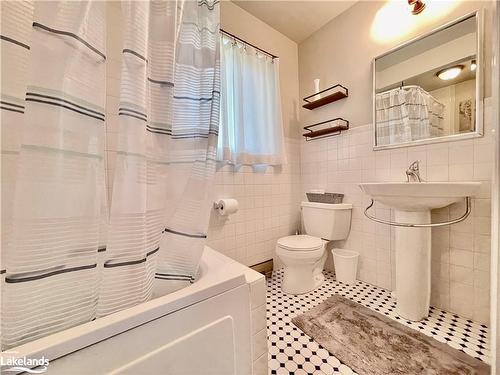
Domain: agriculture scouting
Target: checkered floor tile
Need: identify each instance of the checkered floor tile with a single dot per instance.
(293, 352)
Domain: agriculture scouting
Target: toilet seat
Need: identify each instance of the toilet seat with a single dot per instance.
(301, 243)
(304, 255)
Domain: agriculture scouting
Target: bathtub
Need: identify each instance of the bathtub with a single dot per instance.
(205, 328)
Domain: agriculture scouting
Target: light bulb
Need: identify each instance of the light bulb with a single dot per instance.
(449, 73)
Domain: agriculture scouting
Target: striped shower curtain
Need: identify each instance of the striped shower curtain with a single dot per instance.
(53, 99)
(169, 114)
(64, 261)
(406, 114)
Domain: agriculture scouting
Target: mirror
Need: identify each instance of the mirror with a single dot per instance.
(429, 89)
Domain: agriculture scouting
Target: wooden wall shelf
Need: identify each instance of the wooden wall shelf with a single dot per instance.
(333, 94)
(326, 128)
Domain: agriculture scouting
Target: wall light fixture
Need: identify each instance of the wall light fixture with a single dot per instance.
(418, 6)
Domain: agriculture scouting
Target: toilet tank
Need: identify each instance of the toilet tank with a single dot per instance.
(328, 221)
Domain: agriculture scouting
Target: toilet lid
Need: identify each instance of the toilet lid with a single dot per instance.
(301, 242)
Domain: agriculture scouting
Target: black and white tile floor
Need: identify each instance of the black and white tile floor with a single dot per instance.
(293, 352)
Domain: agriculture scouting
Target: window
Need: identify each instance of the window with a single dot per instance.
(251, 130)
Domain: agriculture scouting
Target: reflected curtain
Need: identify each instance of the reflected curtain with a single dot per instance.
(407, 114)
(251, 121)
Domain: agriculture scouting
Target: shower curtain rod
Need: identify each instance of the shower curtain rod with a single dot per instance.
(247, 43)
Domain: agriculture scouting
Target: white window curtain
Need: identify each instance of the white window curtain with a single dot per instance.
(407, 114)
(251, 130)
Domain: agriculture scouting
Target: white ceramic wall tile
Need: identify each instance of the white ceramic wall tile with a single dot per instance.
(460, 253)
(259, 344)
(258, 292)
(257, 288)
(268, 208)
(260, 365)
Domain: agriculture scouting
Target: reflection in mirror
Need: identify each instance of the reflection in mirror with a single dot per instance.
(428, 88)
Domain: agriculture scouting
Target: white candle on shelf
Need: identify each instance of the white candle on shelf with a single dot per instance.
(316, 89)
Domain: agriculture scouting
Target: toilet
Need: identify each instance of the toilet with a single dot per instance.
(304, 255)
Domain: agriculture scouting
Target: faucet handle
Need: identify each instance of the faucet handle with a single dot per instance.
(414, 171)
(415, 165)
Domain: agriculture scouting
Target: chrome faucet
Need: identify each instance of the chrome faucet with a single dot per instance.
(413, 172)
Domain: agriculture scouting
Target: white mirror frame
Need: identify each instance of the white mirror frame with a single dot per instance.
(479, 87)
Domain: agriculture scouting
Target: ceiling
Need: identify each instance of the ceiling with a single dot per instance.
(295, 19)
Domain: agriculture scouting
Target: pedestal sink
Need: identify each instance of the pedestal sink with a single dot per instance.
(412, 203)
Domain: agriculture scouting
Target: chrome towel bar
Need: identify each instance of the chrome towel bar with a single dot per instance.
(410, 225)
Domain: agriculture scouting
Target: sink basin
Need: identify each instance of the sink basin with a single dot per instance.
(419, 196)
(412, 203)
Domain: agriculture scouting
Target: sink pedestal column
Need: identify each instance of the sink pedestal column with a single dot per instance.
(413, 265)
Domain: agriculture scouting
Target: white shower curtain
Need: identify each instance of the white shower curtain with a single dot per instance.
(57, 271)
(169, 110)
(53, 98)
(407, 114)
(251, 122)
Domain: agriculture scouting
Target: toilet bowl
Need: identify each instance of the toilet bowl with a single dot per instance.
(304, 255)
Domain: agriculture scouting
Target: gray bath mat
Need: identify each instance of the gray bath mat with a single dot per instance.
(373, 344)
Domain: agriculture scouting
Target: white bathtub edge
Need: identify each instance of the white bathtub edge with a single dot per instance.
(223, 274)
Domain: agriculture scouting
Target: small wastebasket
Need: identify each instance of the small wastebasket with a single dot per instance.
(346, 265)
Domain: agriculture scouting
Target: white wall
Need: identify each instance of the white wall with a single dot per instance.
(426, 61)
(268, 198)
(342, 52)
(495, 261)
(451, 96)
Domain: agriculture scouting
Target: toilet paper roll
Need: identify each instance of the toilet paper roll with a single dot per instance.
(227, 206)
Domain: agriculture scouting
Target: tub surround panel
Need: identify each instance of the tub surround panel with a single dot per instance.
(221, 282)
(257, 285)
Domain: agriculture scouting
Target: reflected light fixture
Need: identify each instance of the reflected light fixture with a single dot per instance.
(418, 6)
(450, 73)
(473, 65)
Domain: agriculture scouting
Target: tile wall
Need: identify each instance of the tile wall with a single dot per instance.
(268, 208)
(460, 253)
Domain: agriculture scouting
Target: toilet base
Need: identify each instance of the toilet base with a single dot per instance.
(296, 281)
(302, 271)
